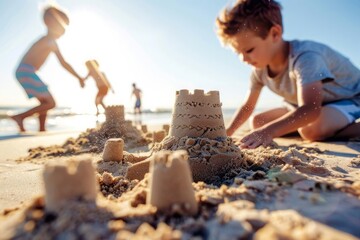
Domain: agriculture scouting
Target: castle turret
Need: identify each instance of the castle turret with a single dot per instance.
(197, 115)
(114, 115)
(171, 183)
(69, 181)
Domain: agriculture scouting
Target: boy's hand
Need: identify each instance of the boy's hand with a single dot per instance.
(256, 138)
(229, 132)
(82, 82)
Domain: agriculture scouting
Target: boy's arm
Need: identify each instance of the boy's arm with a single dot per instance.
(244, 112)
(68, 66)
(309, 99)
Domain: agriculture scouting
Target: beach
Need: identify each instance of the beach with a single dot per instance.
(310, 191)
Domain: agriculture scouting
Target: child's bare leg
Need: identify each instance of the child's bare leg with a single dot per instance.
(99, 101)
(42, 121)
(46, 103)
(103, 105)
(326, 125)
(97, 110)
(350, 131)
(263, 118)
(19, 121)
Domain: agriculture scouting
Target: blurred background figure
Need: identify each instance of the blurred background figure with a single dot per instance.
(102, 83)
(56, 21)
(137, 107)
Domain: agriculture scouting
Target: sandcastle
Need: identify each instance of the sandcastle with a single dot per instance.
(198, 127)
(115, 126)
(68, 181)
(114, 118)
(171, 183)
(197, 115)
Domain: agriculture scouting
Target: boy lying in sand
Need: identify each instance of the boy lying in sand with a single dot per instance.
(56, 22)
(320, 87)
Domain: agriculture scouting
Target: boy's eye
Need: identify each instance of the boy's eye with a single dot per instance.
(250, 50)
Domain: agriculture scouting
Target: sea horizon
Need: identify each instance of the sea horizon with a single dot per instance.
(66, 119)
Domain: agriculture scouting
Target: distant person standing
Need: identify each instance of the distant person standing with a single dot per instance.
(137, 93)
(56, 21)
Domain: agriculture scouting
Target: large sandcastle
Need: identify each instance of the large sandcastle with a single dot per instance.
(197, 127)
(197, 115)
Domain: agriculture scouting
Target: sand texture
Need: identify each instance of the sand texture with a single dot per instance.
(181, 187)
(291, 190)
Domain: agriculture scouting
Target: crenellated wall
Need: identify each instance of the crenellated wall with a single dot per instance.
(114, 114)
(197, 114)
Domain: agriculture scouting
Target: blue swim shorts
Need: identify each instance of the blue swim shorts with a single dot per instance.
(137, 103)
(31, 82)
(348, 108)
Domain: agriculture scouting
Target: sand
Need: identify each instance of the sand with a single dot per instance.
(291, 190)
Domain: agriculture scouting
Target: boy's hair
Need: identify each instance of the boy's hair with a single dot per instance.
(89, 64)
(54, 12)
(257, 16)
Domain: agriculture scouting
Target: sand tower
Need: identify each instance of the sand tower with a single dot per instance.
(171, 183)
(197, 127)
(197, 115)
(113, 150)
(114, 125)
(69, 181)
(114, 115)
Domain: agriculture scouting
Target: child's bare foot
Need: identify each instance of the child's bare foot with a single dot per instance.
(19, 121)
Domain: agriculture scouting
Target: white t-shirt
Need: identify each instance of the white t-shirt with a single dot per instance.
(310, 62)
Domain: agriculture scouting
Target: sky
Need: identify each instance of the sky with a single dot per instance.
(161, 45)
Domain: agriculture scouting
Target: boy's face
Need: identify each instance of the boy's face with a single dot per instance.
(253, 49)
(55, 28)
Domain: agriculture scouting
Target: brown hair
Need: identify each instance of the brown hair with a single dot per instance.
(257, 16)
(56, 13)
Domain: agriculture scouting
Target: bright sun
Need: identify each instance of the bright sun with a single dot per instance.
(92, 36)
(87, 32)
(120, 56)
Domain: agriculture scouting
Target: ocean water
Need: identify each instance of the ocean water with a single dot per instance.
(64, 119)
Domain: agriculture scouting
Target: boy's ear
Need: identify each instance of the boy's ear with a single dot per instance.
(276, 32)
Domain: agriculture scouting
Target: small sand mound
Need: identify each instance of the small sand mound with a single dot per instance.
(91, 141)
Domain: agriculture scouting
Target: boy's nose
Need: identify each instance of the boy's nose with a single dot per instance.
(245, 58)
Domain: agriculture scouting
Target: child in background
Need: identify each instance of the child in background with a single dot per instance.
(137, 94)
(101, 81)
(56, 21)
(320, 87)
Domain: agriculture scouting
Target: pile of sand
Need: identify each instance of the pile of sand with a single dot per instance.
(266, 193)
(91, 141)
(275, 194)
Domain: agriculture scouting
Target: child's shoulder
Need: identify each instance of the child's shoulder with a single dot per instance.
(47, 42)
(298, 47)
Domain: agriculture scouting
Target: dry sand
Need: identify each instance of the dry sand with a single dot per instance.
(291, 190)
